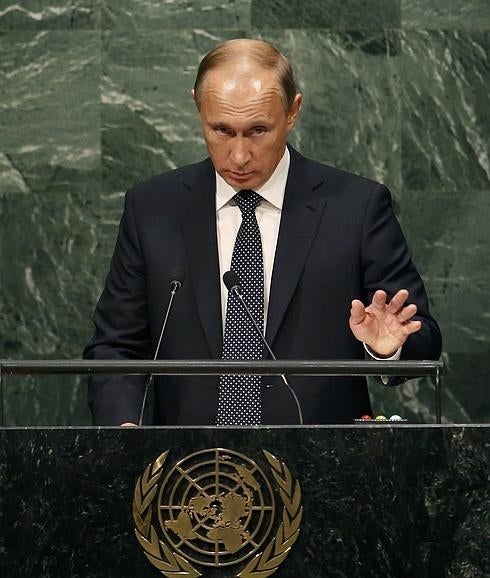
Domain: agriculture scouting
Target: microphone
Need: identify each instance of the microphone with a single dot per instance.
(177, 275)
(232, 282)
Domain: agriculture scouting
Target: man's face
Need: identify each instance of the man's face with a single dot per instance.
(245, 123)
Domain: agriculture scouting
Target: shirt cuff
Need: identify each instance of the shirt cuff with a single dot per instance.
(395, 357)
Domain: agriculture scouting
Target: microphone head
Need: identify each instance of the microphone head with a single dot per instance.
(231, 280)
(177, 274)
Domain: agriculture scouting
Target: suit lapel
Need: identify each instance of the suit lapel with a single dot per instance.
(198, 220)
(301, 215)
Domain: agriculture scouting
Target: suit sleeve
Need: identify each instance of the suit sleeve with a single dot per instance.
(121, 328)
(388, 265)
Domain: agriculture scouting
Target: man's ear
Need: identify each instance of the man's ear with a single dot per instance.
(294, 110)
(193, 93)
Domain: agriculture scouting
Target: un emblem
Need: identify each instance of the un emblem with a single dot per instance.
(216, 508)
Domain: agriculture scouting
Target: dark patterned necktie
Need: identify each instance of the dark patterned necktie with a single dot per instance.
(239, 398)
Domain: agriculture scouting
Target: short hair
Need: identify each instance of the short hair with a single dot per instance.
(258, 51)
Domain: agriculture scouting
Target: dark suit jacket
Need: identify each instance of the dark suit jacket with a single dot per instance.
(338, 240)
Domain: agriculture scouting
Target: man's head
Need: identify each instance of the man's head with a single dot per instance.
(247, 102)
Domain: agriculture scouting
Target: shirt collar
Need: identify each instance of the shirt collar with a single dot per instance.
(272, 191)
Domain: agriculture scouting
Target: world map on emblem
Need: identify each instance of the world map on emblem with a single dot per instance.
(216, 507)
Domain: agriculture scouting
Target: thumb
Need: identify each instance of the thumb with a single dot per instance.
(357, 312)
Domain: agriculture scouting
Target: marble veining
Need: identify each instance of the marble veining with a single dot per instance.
(95, 95)
(451, 14)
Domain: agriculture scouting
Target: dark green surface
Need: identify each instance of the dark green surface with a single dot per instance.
(445, 121)
(345, 15)
(96, 95)
(42, 14)
(450, 14)
(378, 501)
(157, 15)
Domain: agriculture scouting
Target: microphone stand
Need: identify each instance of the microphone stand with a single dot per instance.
(236, 290)
(175, 285)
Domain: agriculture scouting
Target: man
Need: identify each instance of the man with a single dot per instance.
(310, 242)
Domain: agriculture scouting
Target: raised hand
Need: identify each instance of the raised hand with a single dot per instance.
(384, 326)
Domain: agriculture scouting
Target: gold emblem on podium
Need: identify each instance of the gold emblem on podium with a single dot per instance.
(217, 508)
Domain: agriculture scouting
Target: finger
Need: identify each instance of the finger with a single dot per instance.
(357, 312)
(413, 327)
(379, 301)
(407, 313)
(397, 301)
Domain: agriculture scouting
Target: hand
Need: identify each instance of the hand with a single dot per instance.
(384, 327)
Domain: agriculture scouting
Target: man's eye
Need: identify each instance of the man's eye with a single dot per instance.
(221, 130)
(259, 130)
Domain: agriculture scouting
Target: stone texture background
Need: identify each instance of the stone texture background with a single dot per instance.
(94, 95)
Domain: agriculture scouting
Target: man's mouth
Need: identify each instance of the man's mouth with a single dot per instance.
(238, 175)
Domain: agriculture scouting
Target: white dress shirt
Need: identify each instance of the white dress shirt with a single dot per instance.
(268, 213)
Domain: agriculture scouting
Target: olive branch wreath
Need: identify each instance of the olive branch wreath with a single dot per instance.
(262, 565)
(157, 552)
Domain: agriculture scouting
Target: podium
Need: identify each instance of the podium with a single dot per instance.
(377, 501)
(368, 500)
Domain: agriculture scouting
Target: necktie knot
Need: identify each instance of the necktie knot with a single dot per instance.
(247, 201)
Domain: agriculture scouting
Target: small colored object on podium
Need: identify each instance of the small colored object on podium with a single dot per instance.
(365, 419)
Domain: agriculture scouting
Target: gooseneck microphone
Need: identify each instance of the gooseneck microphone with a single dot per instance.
(177, 276)
(232, 282)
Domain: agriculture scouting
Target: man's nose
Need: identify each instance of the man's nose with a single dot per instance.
(240, 153)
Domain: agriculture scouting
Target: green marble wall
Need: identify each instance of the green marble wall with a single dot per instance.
(95, 94)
